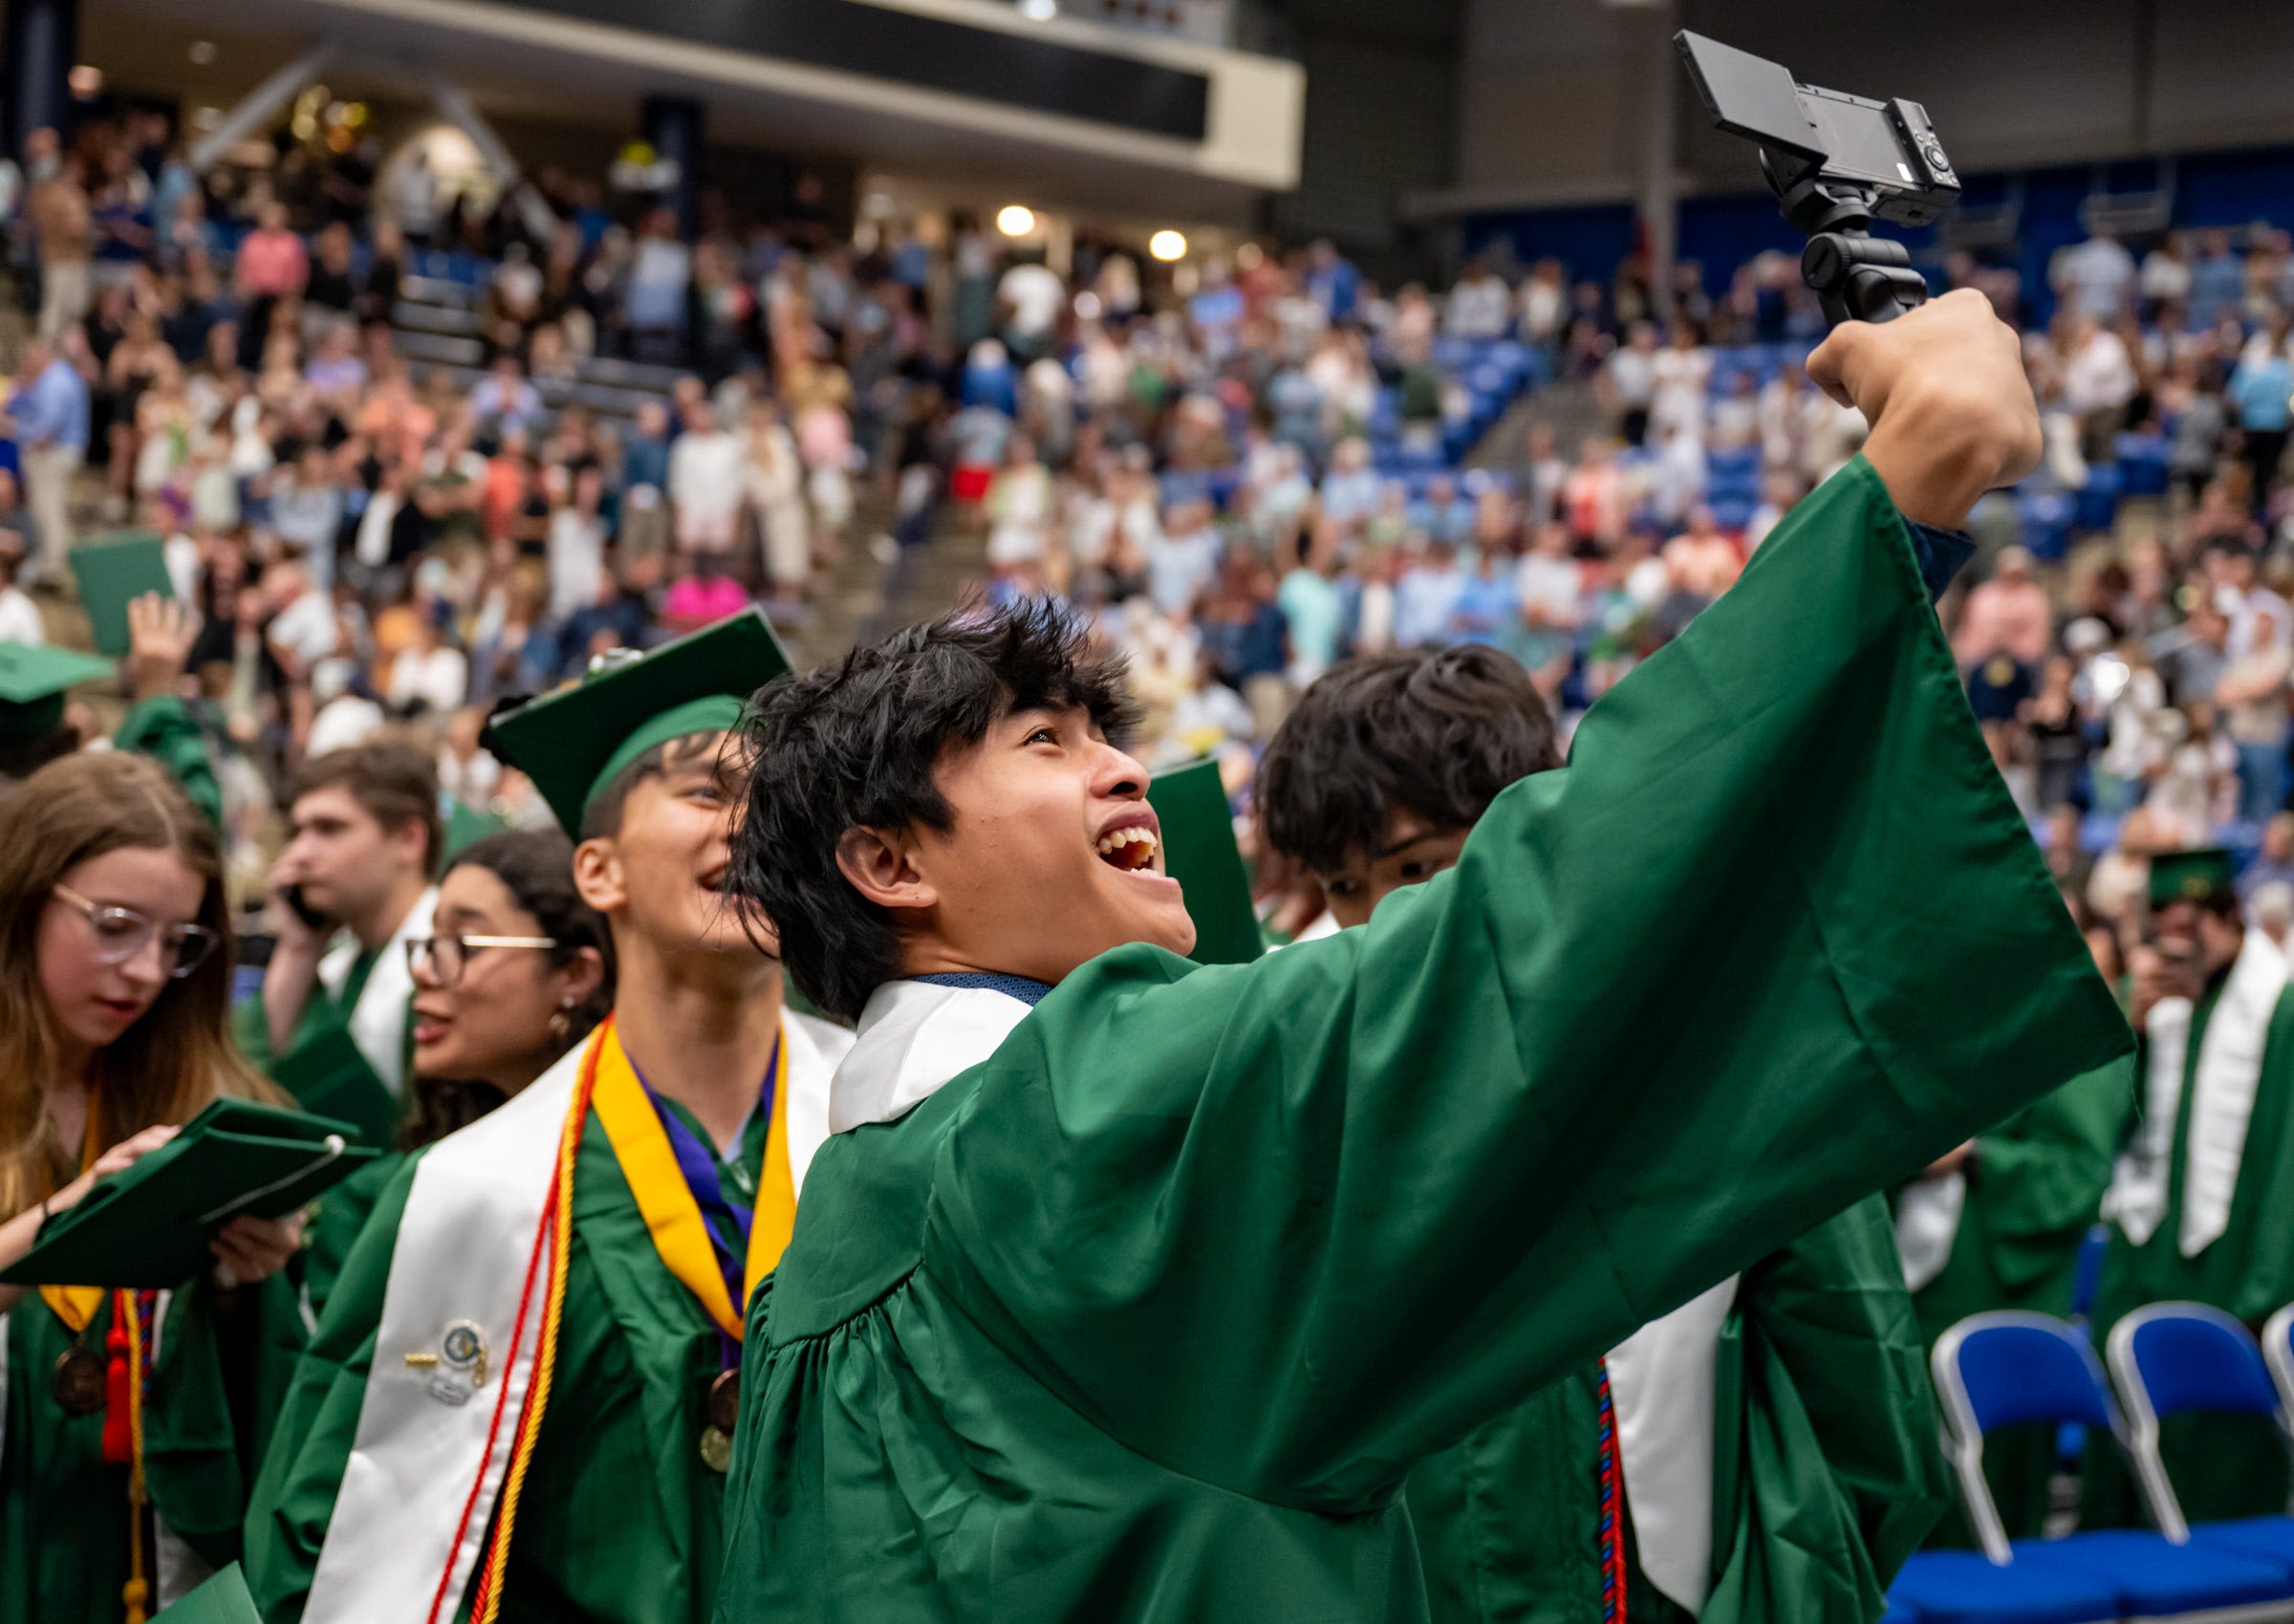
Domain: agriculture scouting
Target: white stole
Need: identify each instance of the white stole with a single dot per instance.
(378, 1024)
(1663, 1381)
(914, 1037)
(2222, 1090)
(1927, 1226)
(472, 1214)
(2230, 1070)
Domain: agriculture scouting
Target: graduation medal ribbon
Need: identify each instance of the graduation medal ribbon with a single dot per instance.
(110, 1385)
(681, 1235)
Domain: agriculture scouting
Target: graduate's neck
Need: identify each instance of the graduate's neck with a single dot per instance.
(375, 926)
(699, 1028)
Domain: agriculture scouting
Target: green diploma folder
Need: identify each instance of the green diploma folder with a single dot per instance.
(1199, 853)
(148, 1227)
(223, 1599)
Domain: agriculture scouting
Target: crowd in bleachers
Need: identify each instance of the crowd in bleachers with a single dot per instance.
(411, 454)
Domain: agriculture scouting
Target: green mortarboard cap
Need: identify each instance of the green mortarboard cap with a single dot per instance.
(466, 825)
(148, 1227)
(2189, 876)
(33, 681)
(572, 741)
(114, 570)
(223, 1599)
(329, 1075)
(1199, 853)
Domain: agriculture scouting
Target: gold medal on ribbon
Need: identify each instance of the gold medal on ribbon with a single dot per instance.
(725, 1402)
(78, 1382)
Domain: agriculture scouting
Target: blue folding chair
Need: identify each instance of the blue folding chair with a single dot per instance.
(1999, 1370)
(2183, 1359)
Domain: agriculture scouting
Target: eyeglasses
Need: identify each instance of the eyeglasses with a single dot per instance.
(122, 934)
(446, 956)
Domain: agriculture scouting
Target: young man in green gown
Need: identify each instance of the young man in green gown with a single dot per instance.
(1131, 1288)
(691, 1114)
(2199, 1199)
(1807, 1367)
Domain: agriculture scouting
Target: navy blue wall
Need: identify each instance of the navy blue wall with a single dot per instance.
(2224, 188)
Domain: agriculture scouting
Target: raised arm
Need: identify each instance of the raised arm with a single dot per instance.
(1774, 940)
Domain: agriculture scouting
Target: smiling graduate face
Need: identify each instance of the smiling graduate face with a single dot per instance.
(1052, 855)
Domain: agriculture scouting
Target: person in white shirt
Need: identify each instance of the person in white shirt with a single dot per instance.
(1480, 306)
(2096, 277)
(1034, 295)
(705, 483)
(431, 677)
(19, 617)
(2098, 381)
(575, 539)
(1627, 382)
(1681, 370)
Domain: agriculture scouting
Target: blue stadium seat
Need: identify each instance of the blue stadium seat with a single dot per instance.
(2143, 463)
(2097, 508)
(2178, 1359)
(2046, 524)
(1900, 1613)
(2006, 1368)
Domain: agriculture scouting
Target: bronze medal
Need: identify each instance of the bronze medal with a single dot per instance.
(717, 1449)
(78, 1382)
(724, 1402)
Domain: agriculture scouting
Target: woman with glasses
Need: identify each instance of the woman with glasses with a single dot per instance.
(516, 970)
(114, 990)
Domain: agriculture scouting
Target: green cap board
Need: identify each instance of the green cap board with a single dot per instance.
(1199, 853)
(223, 1599)
(466, 825)
(572, 741)
(148, 1227)
(114, 570)
(33, 682)
(2190, 877)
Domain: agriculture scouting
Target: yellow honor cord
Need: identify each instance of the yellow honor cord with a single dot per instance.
(633, 1126)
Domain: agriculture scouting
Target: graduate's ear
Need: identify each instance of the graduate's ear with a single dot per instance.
(880, 864)
(597, 874)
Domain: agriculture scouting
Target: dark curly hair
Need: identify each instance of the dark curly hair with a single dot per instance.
(1437, 733)
(537, 865)
(855, 745)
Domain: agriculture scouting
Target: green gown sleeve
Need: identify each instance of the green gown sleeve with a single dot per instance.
(1289, 1227)
(1829, 1474)
(294, 1497)
(164, 729)
(2038, 1182)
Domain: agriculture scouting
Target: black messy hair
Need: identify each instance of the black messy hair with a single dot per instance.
(1437, 734)
(854, 743)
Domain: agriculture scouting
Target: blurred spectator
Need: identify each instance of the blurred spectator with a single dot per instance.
(2095, 276)
(48, 417)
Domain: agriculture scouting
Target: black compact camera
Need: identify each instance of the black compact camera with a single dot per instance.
(1836, 162)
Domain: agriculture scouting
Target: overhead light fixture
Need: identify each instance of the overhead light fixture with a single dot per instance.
(1039, 11)
(1168, 246)
(1015, 220)
(203, 51)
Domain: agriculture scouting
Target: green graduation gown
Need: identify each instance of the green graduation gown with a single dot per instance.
(621, 1521)
(1826, 1476)
(215, 1388)
(1148, 1315)
(2034, 1187)
(2221, 1466)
